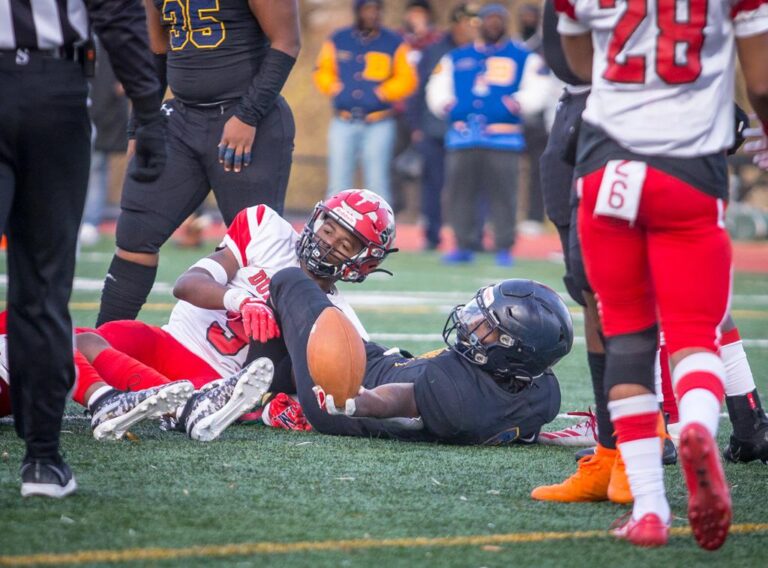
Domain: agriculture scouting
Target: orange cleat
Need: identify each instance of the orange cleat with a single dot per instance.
(618, 488)
(589, 483)
(648, 530)
(709, 500)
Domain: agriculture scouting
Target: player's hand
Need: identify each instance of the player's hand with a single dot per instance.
(326, 402)
(235, 145)
(757, 145)
(259, 321)
(149, 159)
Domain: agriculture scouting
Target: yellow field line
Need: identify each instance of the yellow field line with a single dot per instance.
(254, 548)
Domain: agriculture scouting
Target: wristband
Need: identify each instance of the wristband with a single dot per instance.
(234, 298)
(213, 268)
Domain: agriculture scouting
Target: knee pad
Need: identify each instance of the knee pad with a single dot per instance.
(631, 359)
(134, 235)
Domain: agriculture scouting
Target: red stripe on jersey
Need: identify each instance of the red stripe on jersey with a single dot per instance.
(240, 232)
(565, 7)
(260, 214)
(746, 6)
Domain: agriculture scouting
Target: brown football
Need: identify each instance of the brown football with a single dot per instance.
(336, 355)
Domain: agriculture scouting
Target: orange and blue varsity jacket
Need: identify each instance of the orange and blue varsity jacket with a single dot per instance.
(364, 75)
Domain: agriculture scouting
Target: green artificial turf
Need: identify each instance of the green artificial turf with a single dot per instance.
(259, 485)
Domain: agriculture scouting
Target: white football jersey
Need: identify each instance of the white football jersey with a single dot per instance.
(263, 243)
(663, 70)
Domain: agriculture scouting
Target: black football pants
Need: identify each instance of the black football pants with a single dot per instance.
(44, 163)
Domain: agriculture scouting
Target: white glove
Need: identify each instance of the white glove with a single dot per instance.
(326, 402)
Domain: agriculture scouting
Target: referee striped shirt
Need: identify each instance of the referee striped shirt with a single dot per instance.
(42, 24)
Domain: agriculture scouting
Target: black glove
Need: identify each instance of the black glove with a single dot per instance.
(742, 122)
(149, 160)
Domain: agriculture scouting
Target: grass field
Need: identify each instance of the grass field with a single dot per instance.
(267, 497)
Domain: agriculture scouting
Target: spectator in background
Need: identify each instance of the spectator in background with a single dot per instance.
(364, 69)
(484, 89)
(109, 116)
(535, 127)
(429, 130)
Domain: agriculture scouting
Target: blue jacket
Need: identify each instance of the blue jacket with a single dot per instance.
(364, 75)
(482, 78)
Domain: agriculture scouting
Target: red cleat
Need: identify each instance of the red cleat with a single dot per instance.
(709, 500)
(648, 530)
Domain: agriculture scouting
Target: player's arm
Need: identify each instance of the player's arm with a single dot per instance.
(205, 283)
(158, 35)
(393, 400)
(578, 53)
(753, 56)
(279, 19)
(576, 39)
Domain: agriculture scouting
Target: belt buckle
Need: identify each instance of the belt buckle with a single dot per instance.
(22, 56)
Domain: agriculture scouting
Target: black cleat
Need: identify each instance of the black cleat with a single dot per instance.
(46, 479)
(749, 440)
(744, 451)
(669, 453)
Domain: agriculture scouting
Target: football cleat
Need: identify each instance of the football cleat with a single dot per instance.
(619, 490)
(583, 433)
(589, 483)
(756, 446)
(709, 500)
(46, 479)
(208, 413)
(649, 530)
(284, 412)
(116, 411)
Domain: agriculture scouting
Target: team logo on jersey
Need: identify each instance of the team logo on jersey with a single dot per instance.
(166, 109)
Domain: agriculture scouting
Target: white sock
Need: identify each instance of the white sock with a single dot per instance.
(99, 391)
(738, 374)
(700, 405)
(646, 477)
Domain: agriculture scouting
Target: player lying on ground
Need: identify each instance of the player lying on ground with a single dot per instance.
(493, 384)
(206, 338)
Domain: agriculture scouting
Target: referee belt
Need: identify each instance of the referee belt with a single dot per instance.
(23, 55)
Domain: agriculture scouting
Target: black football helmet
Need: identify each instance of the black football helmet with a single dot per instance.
(516, 329)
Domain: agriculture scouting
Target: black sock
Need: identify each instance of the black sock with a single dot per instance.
(605, 434)
(126, 288)
(746, 414)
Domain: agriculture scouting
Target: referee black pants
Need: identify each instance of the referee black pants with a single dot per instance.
(44, 162)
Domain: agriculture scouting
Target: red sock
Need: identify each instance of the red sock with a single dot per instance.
(669, 406)
(87, 376)
(126, 373)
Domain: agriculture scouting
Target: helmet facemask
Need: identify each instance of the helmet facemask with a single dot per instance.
(324, 261)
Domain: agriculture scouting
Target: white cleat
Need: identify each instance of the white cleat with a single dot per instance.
(116, 411)
(215, 409)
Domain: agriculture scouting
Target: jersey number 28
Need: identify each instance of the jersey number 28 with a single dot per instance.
(678, 44)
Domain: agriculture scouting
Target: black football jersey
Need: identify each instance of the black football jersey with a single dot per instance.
(459, 402)
(216, 48)
(552, 49)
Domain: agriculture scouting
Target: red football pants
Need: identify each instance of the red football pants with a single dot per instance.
(158, 349)
(673, 265)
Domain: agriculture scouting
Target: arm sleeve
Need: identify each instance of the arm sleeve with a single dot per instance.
(534, 86)
(121, 27)
(326, 75)
(265, 86)
(441, 94)
(403, 81)
(750, 17)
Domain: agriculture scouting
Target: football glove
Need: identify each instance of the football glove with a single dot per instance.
(259, 320)
(326, 402)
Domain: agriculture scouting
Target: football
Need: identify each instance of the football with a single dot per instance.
(336, 355)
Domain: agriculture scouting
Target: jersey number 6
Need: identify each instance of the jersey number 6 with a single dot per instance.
(675, 37)
(191, 21)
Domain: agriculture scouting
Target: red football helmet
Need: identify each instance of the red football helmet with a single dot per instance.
(364, 214)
